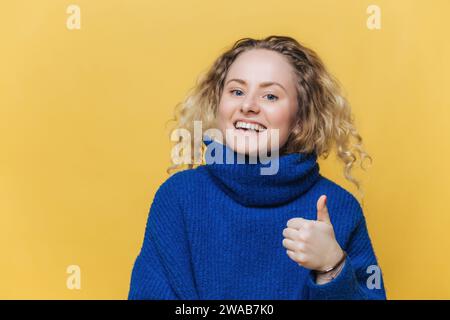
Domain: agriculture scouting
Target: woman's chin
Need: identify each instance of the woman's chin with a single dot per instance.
(252, 150)
(248, 143)
(246, 151)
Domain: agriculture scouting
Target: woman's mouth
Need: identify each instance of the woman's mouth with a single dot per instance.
(247, 126)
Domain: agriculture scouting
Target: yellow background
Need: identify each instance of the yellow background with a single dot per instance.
(84, 147)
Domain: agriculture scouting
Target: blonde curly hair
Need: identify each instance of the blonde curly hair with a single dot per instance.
(323, 119)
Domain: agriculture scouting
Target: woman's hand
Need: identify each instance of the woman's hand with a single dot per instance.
(312, 243)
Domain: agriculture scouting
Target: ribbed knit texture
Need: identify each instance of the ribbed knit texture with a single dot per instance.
(215, 232)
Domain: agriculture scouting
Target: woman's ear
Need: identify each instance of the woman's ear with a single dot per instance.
(295, 126)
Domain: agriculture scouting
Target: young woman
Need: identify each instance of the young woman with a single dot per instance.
(224, 230)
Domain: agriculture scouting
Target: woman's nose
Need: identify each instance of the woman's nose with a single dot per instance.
(250, 104)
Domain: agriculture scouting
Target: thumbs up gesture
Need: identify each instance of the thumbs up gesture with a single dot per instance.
(312, 243)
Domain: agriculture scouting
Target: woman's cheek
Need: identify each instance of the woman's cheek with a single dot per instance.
(279, 119)
(224, 115)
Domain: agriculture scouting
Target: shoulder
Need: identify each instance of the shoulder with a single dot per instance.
(337, 191)
(169, 200)
(179, 183)
(341, 201)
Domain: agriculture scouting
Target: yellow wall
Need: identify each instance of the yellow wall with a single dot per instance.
(83, 143)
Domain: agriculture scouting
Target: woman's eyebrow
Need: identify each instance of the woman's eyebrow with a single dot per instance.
(262, 85)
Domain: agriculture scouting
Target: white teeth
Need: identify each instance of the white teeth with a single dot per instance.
(250, 126)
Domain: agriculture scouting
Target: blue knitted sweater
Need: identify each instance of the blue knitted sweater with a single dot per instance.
(215, 232)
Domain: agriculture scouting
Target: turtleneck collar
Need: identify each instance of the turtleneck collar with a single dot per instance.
(296, 173)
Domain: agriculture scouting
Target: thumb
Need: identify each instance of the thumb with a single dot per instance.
(322, 210)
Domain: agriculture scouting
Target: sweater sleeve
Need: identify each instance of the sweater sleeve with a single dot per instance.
(162, 270)
(360, 278)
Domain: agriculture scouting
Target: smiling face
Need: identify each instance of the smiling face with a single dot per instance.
(259, 95)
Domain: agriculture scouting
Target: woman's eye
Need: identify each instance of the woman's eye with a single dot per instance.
(235, 90)
(272, 97)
